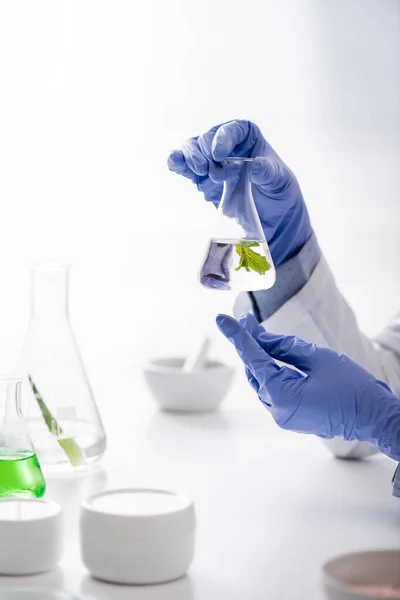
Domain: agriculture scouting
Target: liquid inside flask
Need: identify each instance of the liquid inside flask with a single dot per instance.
(57, 399)
(238, 257)
(20, 472)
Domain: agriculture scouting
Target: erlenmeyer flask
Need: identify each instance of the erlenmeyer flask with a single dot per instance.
(238, 257)
(20, 472)
(58, 402)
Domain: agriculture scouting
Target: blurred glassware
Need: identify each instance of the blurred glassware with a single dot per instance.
(58, 402)
(20, 472)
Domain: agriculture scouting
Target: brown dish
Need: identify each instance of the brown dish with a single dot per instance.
(382, 591)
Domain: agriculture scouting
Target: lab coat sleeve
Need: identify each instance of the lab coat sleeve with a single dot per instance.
(319, 313)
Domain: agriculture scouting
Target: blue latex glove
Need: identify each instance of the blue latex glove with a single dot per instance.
(276, 192)
(335, 397)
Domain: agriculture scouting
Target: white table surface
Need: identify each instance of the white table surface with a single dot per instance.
(271, 506)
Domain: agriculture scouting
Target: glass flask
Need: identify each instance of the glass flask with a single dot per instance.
(20, 472)
(58, 402)
(238, 257)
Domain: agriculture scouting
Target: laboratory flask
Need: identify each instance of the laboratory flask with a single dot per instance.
(237, 257)
(20, 472)
(57, 399)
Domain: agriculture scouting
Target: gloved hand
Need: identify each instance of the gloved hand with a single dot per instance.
(335, 397)
(276, 192)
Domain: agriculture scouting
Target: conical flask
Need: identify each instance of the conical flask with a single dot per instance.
(20, 472)
(58, 402)
(238, 257)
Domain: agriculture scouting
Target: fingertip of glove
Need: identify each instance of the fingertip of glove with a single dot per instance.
(176, 161)
(261, 170)
(258, 163)
(228, 325)
(219, 152)
(216, 172)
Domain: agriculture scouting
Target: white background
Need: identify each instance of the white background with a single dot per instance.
(94, 95)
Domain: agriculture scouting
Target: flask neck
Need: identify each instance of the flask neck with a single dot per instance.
(10, 399)
(49, 292)
(237, 210)
(13, 431)
(237, 190)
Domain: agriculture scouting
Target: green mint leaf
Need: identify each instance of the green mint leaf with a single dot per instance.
(71, 448)
(50, 421)
(74, 452)
(251, 260)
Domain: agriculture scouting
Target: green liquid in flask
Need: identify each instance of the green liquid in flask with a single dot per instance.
(20, 474)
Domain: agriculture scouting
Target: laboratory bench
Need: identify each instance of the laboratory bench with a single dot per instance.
(271, 505)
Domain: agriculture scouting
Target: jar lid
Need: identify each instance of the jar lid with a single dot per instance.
(19, 510)
(27, 515)
(139, 512)
(25, 524)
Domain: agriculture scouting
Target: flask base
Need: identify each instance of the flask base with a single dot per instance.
(20, 474)
(56, 455)
(237, 265)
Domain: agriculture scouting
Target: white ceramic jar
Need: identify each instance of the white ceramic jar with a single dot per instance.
(31, 536)
(137, 536)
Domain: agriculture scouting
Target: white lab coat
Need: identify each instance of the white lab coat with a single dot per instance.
(319, 313)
